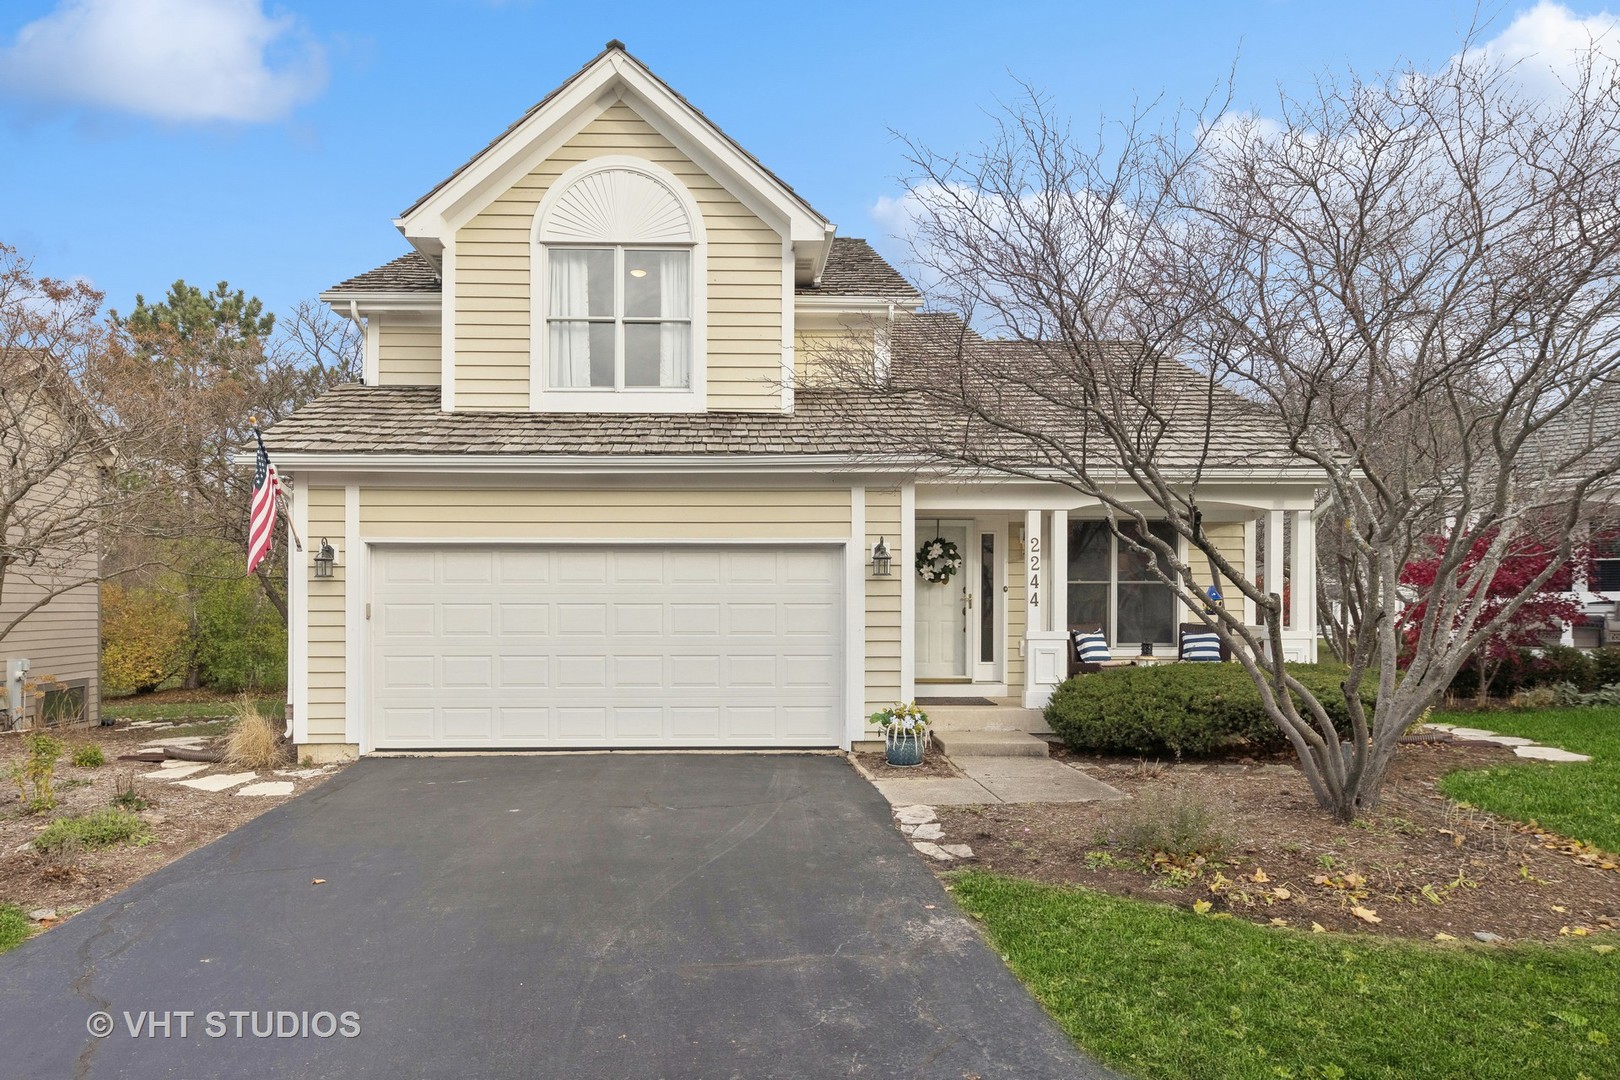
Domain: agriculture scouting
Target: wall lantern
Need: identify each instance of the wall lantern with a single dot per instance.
(881, 558)
(324, 559)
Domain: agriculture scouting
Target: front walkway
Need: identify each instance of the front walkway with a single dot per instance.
(998, 779)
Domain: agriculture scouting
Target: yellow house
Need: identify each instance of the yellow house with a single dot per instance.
(579, 500)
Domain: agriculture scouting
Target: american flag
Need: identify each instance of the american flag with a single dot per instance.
(262, 519)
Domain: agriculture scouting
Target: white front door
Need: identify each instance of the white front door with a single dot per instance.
(942, 611)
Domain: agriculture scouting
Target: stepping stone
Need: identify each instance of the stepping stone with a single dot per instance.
(1509, 740)
(934, 851)
(217, 782)
(961, 851)
(1488, 937)
(268, 787)
(931, 831)
(302, 774)
(1472, 733)
(178, 770)
(1548, 753)
(914, 815)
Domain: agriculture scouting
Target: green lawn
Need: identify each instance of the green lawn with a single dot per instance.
(135, 709)
(13, 927)
(1580, 799)
(1158, 992)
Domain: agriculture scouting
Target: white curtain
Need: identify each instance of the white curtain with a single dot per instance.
(570, 299)
(675, 302)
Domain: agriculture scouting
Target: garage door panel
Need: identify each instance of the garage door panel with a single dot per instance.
(503, 646)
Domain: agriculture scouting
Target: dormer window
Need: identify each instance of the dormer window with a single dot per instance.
(619, 305)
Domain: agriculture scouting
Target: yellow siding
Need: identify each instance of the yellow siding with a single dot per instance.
(1228, 537)
(492, 278)
(326, 618)
(605, 513)
(883, 602)
(60, 640)
(408, 351)
(824, 354)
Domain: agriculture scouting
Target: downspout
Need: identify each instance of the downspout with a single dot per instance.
(354, 314)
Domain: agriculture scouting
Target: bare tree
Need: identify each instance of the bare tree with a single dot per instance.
(1400, 284)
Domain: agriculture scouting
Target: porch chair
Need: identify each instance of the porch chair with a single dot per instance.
(1196, 643)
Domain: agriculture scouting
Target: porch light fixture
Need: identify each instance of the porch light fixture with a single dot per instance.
(324, 558)
(881, 558)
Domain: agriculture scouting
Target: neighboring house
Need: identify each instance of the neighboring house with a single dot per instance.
(579, 501)
(51, 458)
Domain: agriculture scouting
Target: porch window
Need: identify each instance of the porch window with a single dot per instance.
(1111, 586)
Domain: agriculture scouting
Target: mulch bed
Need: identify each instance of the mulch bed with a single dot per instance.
(1418, 867)
(934, 764)
(181, 820)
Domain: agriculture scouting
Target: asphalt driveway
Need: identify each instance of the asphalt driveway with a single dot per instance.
(626, 916)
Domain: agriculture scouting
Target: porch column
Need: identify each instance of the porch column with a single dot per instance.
(1034, 576)
(1057, 593)
(1274, 552)
(1303, 593)
(1045, 650)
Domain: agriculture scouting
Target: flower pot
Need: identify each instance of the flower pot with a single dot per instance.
(904, 752)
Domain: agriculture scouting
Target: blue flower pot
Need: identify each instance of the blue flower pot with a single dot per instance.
(904, 752)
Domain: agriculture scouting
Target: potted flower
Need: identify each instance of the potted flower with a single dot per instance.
(905, 733)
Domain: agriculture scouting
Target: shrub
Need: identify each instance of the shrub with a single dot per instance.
(1182, 709)
(125, 796)
(255, 739)
(13, 926)
(1562, 664)
(240, 639)
(35, 773)
(143, 637)
(101, 829)
(89, 756)
(1179, 824)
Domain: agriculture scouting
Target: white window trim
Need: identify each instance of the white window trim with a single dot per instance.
(693, 398)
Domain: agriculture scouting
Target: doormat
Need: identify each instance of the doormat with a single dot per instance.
(954, 701)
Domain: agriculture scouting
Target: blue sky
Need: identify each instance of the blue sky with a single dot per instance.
(271, 143)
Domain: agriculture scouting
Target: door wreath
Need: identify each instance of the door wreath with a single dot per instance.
(938, 560)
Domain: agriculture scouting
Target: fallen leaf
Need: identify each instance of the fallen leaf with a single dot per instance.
(1281, 893)
(1366, 914)
(1201, 906)
(1284, 922)
(1560, 908)
(1318, 928)
(1259, 876)
(1444, 937)
(930, 907)
(318, 881)
(1603, 950)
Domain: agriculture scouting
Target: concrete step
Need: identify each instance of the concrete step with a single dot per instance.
(986, 718)
(969, 743)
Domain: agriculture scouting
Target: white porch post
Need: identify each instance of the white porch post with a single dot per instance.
(1304, 579)
(1274, 552)
(1045, 655)
(1057, 593)
(1034, 580)
(908, 591)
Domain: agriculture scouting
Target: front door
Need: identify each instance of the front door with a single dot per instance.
(942, 610)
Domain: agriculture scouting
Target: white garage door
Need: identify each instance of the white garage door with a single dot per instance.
(633, 646)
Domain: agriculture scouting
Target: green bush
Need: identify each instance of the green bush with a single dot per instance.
(89, 756)
(1183, 709)
(101, 829)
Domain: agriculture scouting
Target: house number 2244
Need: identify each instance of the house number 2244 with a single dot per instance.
(1034, 571)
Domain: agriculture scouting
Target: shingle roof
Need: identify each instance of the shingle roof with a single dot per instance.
(897, 423)
(855, 269)
(410, 272)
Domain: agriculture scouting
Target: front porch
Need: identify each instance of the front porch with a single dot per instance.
(1037, 562)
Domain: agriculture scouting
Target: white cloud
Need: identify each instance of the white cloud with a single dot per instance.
(175, 60)
(1545, 44)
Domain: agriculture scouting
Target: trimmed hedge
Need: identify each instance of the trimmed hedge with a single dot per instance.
(1525, 669)
(1188, 710)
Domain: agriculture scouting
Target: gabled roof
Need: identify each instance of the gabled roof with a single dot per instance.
(611, 75)
(853, 269)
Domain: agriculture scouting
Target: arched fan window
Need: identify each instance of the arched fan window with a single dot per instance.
(620, 250)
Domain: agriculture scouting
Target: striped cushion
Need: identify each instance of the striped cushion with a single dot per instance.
(1091, 648)
(1205, 646)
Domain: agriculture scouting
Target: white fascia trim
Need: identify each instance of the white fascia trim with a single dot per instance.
(484, 179)
(370, 302)
(371, 365)
(788, 375)
(864, 305)
(298, 612)
(612, 541)
(854, 725)
(597, 463)
(356, 588)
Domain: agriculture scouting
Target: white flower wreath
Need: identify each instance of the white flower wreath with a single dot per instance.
(938, 560)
